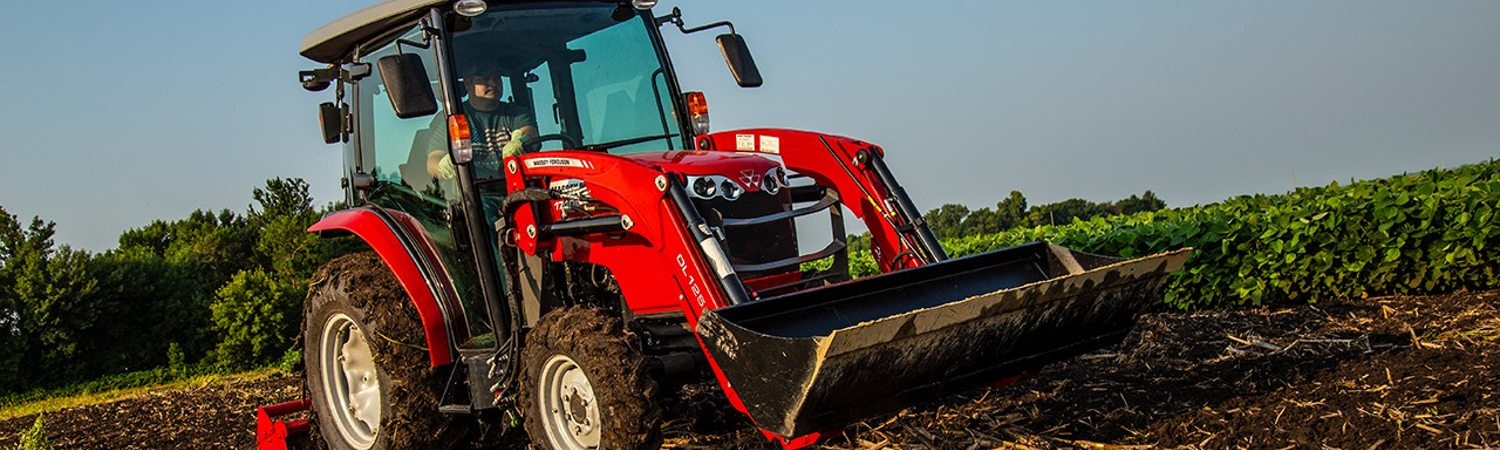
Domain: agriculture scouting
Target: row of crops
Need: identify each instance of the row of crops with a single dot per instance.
(1413, 233)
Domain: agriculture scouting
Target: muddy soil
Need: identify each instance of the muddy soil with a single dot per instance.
(1391, 372)
(216, 416)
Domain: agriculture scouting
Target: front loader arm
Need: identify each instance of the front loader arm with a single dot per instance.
(653, 250)
(856, 170)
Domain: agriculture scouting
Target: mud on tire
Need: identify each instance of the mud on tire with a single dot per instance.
(358, 292)
(623, 388)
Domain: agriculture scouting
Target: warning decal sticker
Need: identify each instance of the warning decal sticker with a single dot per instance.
(770, 144)
(744, 142)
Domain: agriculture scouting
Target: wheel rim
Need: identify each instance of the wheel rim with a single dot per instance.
(570, 411)
(350, 384)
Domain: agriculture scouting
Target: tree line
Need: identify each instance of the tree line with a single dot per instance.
(220, 289)
(953, 220)
(223, 290)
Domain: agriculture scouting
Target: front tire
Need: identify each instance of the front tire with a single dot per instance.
(371, 383)
(586, 385)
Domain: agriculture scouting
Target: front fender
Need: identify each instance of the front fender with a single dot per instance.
(382, 237)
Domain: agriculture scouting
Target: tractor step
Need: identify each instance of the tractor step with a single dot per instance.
(817, 360)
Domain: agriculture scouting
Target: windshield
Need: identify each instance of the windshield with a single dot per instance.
(571, 72)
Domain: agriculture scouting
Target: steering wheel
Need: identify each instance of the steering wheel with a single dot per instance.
(535, 143)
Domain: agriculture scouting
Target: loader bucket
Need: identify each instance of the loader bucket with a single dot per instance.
(819, 359)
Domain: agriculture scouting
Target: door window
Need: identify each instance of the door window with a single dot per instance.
(404, 156)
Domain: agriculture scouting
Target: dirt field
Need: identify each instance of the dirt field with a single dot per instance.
(1394, 372)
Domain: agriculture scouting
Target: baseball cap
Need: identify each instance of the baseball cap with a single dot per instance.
(480, 67)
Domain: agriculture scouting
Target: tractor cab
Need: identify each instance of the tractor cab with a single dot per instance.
(425, 110)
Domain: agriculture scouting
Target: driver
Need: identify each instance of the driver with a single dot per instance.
(495, 127)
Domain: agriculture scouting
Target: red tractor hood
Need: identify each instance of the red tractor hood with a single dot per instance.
(728, 164)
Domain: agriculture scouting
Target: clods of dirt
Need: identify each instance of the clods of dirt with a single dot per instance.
(1391, 372)
(219, 415)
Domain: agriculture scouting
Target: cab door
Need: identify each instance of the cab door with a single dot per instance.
(399, 154)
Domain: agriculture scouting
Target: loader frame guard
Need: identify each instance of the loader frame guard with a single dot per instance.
(856, 171)
(658, 210)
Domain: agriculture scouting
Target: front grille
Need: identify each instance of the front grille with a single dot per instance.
(757, 243)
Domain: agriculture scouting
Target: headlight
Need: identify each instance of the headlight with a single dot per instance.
(731, 191)
(705, 187)
(774, 180)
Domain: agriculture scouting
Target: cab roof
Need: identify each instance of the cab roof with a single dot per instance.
(332, 43)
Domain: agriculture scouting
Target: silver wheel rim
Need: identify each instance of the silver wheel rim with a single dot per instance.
(350, 384)
(570, 411)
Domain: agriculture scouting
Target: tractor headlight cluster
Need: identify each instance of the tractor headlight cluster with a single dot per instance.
(730, 190)
(709, 186)
(774, 180)
(704, 187)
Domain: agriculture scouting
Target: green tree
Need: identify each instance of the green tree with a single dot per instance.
(215, 284)
(858, 242)
(1137, 204)
(23, 256)
(153, 239)
(11, 338)
(1064, 211)
(1011, 212)
(62, 321)
(49, 321)
(173, 268)
(946, 220)
(283, 244)
(218, 244)
(154, 303)
(256, 315)
(982, 220)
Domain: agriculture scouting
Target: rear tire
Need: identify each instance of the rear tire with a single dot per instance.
(586, 385)
(371, 382)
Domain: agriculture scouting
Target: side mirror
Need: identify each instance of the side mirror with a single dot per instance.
(332, 119)
(740, 62)
(407, 85)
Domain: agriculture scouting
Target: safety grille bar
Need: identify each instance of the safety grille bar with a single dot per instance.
(833, 247)
(827, 201)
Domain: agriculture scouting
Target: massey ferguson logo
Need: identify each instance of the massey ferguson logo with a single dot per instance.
(750, 179)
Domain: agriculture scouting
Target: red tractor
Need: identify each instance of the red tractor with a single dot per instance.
(614, 249)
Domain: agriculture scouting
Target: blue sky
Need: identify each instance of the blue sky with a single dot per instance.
(117, 114)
